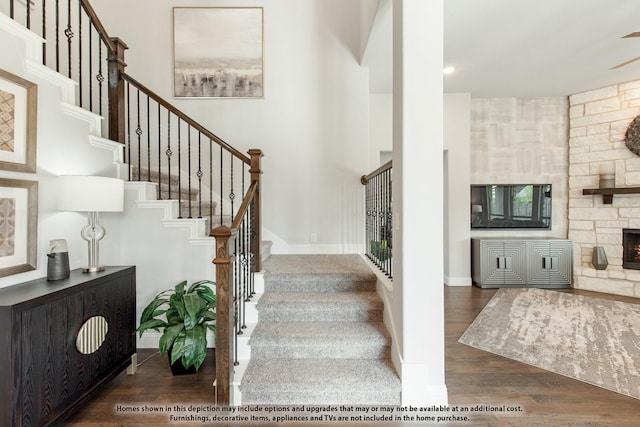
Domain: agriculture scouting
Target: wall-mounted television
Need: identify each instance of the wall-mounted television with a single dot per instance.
(521, 206)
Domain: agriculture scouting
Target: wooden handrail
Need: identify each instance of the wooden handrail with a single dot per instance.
(98, 25)
(376, 172)
(244, 207)
(151, 94)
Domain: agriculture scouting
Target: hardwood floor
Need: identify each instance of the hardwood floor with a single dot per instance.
(473, 377)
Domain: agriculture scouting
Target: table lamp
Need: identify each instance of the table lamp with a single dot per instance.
(91, 194)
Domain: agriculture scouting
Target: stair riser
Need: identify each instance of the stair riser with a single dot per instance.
(325, 352)
(319, 315)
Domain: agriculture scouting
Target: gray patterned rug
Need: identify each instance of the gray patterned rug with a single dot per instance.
(590, 339)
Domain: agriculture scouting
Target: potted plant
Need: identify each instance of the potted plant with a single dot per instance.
(380, 250)
(183, 315)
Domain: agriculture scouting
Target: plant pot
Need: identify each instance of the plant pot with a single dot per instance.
(178, 368)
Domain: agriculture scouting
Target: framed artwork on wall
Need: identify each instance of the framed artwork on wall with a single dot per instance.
(18, 226)
(218, 52)
(18, 123)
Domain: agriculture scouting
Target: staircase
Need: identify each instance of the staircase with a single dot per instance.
(320, 337)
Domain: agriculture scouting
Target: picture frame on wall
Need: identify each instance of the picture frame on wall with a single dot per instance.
(218, 52)
(18, 226)
(18, 123)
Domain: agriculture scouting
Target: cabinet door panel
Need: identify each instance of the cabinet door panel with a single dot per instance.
(550, 262)
(515, 271)
(561, 271)
(492, 261)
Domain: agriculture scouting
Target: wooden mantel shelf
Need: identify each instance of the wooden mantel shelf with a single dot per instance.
(607, 193)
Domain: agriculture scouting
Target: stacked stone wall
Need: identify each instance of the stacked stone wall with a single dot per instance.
(598, 120)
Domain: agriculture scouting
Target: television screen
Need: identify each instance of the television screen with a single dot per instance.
(511, 206)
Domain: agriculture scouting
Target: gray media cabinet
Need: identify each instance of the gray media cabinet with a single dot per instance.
(521, 262)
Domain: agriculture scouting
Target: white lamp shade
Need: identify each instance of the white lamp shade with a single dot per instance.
(78, 193)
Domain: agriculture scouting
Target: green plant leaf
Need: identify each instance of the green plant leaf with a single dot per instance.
(179, 288)
(169, 338)
(192, 304)
(154, 324)
(177, 350)
(195, 347)
(150, 310)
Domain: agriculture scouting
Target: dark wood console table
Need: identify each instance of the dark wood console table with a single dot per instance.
(43, 375)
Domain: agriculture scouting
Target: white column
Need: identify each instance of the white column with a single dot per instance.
(418, 198)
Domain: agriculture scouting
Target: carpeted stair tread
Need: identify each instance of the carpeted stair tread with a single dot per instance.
(320, 306)
(320, 381)
(333, 340)
(320, 337)
(318, 273)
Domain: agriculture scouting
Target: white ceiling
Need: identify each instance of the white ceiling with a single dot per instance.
(513, 48)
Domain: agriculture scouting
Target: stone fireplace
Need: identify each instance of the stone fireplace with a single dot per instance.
(631, 248)
(598, 120)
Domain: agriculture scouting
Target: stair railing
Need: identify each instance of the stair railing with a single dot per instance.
(77, 45)
(237, 258)
(160, 141)
(378, 217)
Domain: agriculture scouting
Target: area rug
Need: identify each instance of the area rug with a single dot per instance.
(586, 338)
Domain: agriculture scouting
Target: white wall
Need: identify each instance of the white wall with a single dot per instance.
(312, 123)
(457, 158)
(62, 148)
(380, 127)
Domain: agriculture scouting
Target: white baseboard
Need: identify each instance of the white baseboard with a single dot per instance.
(457, 281)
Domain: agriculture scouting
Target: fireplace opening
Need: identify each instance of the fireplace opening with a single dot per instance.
(631, 248)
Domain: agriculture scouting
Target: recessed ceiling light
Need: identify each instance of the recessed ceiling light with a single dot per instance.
(448, 70)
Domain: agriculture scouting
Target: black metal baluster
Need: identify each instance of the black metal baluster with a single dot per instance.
(236, 301)
(44, 31)
(100, 76)
(252, 249)
(159, 153)
(169, 153)
(189, 169)
(211, 184)
(368, 207)
(80, 55)
(232, 195)
(241, 282)
(128, 147)
(221, 184)
(179, 170)
(199, 175)
(91, 63)
(68, 32)
(58, 35)
(28, 3)
(149, 139)
(139, 134)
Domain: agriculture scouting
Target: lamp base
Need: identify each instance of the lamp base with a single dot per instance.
(93, 269)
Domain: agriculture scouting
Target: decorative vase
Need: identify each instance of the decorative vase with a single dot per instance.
(599, 258)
